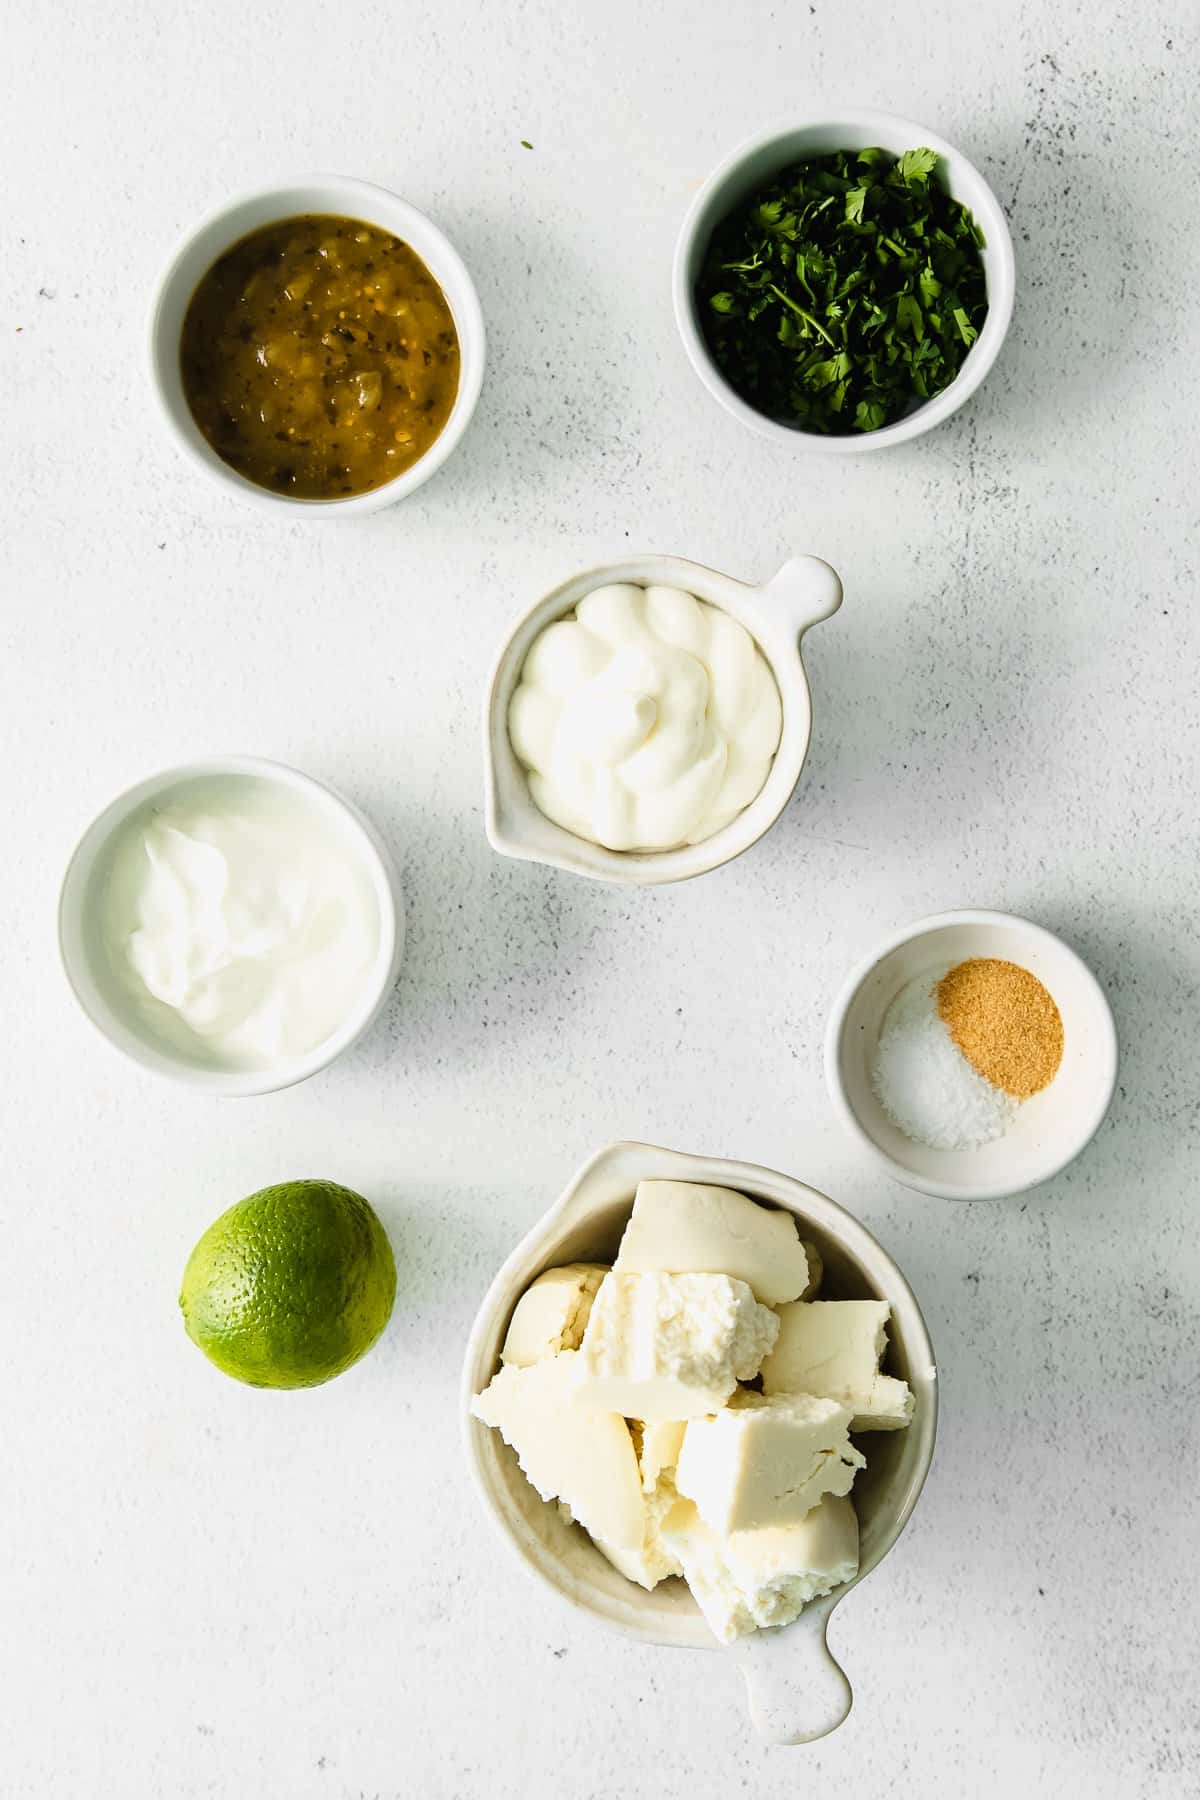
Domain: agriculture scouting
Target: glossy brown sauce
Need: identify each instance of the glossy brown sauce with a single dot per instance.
(319, 357)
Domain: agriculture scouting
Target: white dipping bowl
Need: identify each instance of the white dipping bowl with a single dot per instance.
(796, 1690)
(1050, 1129)
(777, 615)
(752, 165)
(266, 206)
(89, 970)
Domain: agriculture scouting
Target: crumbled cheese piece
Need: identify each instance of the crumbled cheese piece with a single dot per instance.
(651, 1562)
(568, 1452)
(683, 1228)
(816, 1269)
(833, 1348)
(552, 1313)
(663, 1346)
(662, 1440)
(658, 1444)
(766, 1462)
(763, 1578)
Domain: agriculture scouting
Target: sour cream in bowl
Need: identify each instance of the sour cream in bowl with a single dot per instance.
(648, 720)
(233, 924)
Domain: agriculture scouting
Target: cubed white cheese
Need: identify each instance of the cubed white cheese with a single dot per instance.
(671, 1346)
(833, 1348)
(683, 1227)
(650, 1562)
(662, 1440)
(568, 1452)
(763, 1578)
(764, 1462)
(552, 1313)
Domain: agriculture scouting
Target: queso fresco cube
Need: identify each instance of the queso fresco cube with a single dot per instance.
(766, 1461)
(833, 1348)
(663, 1346)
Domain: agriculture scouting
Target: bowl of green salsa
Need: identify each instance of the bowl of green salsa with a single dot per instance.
(317, 345)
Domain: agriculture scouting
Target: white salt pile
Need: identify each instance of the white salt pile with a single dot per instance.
(925, 1084)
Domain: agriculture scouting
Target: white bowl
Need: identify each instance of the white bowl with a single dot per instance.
(89, 973)
(1050, 1129)
(797, 1692)
(777, 615)
(751, 166)
(264, 206)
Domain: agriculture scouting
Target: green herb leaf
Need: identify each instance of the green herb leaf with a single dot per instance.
(844, 292)
(917, 165)
(908, 316)
(966, 330)
(825, 373)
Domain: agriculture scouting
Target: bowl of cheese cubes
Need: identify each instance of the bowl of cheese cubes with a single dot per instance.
(700, 1403)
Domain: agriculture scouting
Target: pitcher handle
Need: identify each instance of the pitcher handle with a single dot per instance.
(796, 1691)
(804, 591)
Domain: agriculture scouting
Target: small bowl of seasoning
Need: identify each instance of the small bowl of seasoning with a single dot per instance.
(973, 1053)
(317, 345)
(844, 283)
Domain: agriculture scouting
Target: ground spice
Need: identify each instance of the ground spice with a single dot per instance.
(1004, 1022)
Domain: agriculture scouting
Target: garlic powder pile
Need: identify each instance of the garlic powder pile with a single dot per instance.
(958, 1053)
(1005, 1023)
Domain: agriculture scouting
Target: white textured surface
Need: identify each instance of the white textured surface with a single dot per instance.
(209, 1591)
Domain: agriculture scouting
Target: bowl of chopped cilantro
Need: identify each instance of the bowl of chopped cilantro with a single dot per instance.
(844, 283)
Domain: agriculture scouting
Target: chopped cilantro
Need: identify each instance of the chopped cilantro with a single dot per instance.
(846, 292)
(916, 166)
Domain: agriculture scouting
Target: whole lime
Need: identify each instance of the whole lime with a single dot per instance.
(290, 1286)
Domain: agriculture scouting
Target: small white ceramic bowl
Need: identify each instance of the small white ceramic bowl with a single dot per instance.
(1050, 1129)
(796, 1690)
(264, 206)
(751, 166)
(777, 615)
(89, 972)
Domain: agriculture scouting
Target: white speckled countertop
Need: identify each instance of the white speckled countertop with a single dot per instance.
(208, 1591)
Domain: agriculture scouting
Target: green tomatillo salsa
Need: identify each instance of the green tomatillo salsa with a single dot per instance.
(319, 357)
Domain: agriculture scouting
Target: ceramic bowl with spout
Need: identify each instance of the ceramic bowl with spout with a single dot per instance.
(797, 1692)
(777, 615)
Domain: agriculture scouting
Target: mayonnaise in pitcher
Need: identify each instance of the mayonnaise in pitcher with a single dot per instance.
(645, 719)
